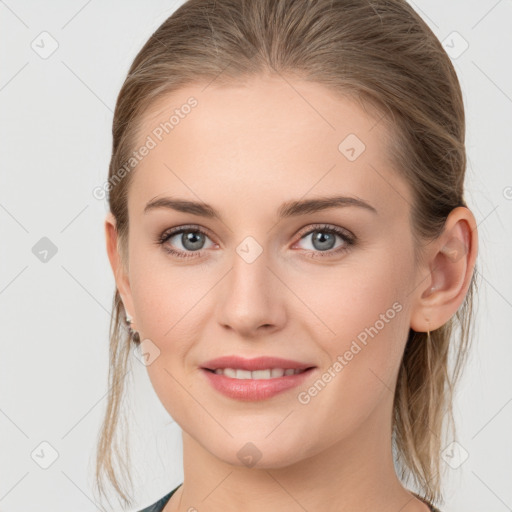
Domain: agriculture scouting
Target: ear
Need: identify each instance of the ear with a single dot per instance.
(120, 273)
(445, 279)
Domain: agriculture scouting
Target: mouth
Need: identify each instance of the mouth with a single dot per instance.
(264, 367)
(255, 379)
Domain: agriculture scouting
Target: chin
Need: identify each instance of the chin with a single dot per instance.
(258, 453)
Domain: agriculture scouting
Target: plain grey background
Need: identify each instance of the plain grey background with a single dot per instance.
(62, 65)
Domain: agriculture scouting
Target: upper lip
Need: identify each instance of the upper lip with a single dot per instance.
(258, 363)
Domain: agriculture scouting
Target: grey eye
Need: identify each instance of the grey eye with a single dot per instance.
(322, 240)
(190, 240)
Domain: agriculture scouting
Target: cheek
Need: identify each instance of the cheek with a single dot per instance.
(370, 319)
(172, 309)
(164, 293)
(367, 315)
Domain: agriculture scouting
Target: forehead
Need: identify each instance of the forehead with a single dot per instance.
(267, 137)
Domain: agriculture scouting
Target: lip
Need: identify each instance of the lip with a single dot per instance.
(254, 389)
(257, 363)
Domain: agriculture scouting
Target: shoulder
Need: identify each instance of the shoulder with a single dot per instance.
(160, 504)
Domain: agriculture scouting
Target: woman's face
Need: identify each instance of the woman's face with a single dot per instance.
(261, 284)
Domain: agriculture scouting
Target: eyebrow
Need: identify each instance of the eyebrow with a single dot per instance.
(286, 210)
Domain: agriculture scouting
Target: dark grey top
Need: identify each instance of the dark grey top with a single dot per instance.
(430, 506)
(160, 504)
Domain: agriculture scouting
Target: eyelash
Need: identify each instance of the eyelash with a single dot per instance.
(349, 240)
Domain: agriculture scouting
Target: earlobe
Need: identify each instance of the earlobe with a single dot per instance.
(451, 265)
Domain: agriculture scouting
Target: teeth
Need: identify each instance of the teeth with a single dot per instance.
(257, 374)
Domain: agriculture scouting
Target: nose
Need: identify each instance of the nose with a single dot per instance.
(251, 298)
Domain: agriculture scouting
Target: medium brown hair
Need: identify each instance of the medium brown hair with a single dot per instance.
(379, 52)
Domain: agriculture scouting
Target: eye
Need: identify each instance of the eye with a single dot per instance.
(191, 238)
(324, 240)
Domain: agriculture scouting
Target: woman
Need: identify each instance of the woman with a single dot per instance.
(292, 249)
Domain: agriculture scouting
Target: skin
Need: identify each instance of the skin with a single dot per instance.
(246, 150)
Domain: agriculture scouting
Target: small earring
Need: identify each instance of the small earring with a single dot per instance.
(133, 333)
(428, 331)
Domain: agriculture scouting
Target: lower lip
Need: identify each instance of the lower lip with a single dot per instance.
(254, 389)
